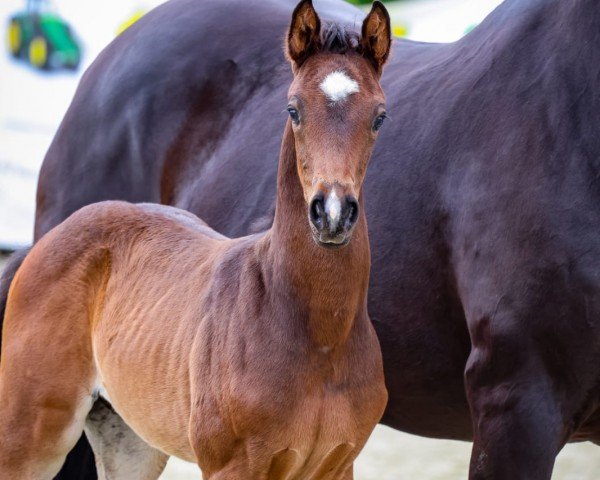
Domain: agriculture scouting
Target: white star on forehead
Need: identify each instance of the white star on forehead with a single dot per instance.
(337, 86)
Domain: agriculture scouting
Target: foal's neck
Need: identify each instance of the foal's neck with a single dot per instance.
(329, 286)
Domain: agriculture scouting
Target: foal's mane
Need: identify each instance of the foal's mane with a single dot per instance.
(336, 38)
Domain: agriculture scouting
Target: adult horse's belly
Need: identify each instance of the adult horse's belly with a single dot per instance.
(417, 315)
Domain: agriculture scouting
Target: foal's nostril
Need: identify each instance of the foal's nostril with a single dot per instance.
(350, 212)
(333, 217)
(317, 211)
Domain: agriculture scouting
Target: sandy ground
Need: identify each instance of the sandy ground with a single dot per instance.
(392, 455)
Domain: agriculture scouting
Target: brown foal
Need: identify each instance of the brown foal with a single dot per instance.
(253, 357)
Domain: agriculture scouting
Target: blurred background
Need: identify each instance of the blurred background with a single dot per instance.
(48, 45)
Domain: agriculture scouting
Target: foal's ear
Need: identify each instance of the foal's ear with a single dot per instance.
(303, 36)
(377, 36)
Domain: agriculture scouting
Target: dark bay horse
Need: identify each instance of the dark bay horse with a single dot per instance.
(254, 356)
(483, 198)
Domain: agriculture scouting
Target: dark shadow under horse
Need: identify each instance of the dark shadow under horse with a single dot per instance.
(484, 199)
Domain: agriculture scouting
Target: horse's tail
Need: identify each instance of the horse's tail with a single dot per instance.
(14, 262)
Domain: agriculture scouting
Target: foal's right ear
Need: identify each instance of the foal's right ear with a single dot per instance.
(303, 36)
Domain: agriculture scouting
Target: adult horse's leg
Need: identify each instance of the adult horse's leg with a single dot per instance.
(517, 423)
(80, 463)
(120, 453)
(526, 384)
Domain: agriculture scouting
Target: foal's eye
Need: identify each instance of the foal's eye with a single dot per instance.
(378, 122)
(294, 115)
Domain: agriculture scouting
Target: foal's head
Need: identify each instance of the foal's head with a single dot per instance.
(336, 108)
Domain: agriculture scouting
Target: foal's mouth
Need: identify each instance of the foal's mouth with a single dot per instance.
(331, 242)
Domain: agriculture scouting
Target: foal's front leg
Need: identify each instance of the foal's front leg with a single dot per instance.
(349, 473)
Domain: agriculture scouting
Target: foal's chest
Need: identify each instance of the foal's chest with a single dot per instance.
(299, 423)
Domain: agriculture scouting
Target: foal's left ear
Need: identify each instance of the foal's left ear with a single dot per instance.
(377, 36)
(304, 34)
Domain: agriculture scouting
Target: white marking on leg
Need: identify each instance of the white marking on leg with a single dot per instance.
(333, 208)
(338, 85)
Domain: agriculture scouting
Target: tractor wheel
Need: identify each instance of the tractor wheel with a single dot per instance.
(39, 52)
(14, 38)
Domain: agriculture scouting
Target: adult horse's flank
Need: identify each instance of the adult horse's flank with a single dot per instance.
(253, 357)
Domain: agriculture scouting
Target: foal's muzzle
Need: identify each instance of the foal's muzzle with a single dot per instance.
(333, 215)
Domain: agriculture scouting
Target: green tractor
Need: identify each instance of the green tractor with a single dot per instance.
(42, 38)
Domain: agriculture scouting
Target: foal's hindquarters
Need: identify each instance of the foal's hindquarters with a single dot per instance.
(183, 331)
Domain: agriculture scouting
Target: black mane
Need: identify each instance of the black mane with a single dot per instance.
(336, 38)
